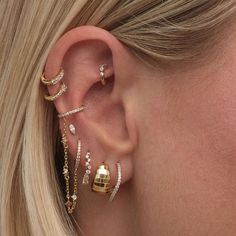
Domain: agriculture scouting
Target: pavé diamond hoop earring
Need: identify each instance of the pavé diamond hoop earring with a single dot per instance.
(117, 186)
(53, 97)
(70, 199)
(71, 112)
(54, 80)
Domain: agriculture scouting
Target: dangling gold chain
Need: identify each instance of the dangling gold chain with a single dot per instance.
(70, 204)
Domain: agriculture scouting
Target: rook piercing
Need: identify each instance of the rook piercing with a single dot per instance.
(51, 98)
(116, 188)
(102, 73)
(68, 113)
(53, 81)
(72, 129)
(102, 179)
(88, 168)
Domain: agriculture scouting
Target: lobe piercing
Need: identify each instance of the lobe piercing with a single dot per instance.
(88, 168)
(116, 188)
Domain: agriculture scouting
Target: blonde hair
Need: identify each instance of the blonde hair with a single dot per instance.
(31, 202)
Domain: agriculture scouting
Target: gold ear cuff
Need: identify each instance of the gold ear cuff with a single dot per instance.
(53, 81)
(71, 112)
(61, 90)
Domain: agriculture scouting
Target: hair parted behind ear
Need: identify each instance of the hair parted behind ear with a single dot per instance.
(30, 199)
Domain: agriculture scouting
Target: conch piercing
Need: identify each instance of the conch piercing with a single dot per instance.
(88, 168)
(116, 188)
(68, 113)
(102, 73)
(101, 183)
(72, 129)
(53, 81)
(61, 90)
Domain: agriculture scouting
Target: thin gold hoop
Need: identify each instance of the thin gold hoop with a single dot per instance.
(51, 98)
(53, 81)
(68, 113)
(117, 186)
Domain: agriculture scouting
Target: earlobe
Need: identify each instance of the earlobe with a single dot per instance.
(91, 108)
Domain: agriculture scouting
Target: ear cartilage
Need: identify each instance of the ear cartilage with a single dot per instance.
(117, 186)
(72, 129)
(102, 73)
(71, 112)
(88, 168)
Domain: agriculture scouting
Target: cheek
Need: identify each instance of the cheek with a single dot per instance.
(188, 149)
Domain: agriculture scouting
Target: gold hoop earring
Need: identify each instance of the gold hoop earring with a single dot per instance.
(117, 186)
(61, 90)
(53, 81)
(102, 73)
(70, 204)
(101, 183)
(68, 113)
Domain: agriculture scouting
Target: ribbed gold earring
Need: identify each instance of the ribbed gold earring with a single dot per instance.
(101, 183)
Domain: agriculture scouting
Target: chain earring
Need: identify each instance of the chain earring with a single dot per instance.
(71, 199)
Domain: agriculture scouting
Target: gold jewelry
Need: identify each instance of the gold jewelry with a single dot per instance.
(102, 73)
(53, 81)
(71, 199)
(88, 168)
(68, 113)
(51, 98)
(116, 188)
(102, 179)
(72, 129)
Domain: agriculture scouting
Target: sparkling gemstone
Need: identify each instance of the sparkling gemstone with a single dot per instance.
(74, 197)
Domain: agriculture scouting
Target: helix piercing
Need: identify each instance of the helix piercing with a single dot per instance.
(116, 188)
(68, 113)
(102, 73)
(88, 168)
(53, 81)
(51, 98)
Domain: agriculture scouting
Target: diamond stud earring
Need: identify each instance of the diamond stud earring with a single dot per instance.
(72, 129)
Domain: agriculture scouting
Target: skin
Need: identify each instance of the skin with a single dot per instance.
(172, 128)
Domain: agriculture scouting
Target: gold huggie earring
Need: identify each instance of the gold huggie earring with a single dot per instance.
(51, 98)
(53, 81)
(117, 186)
(102, 73)
(68, 113)
(70, 204)
(102, 179)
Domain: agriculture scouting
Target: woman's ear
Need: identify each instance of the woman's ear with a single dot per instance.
(105, 127)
